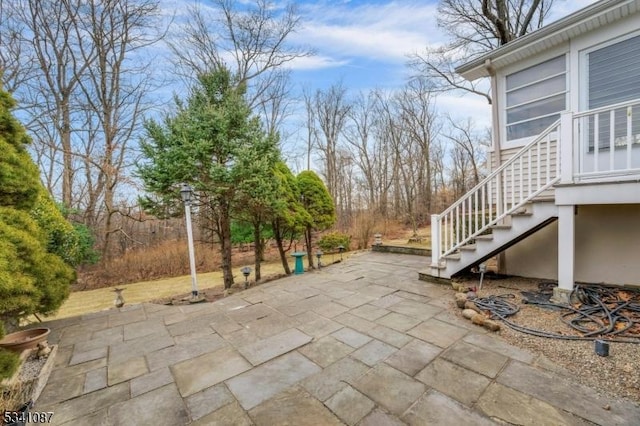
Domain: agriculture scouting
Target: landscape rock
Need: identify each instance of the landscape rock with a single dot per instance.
(470, 305)
(491, 325)
(461, 299)
(469, 313)
(478, 319)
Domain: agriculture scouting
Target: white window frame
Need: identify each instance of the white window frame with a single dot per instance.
(584, 79)
(584, 64)
(515, 143)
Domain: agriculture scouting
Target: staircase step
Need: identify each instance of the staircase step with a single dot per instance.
(468, 247)
(500, 226)
(487, 237)
(453, 256)
(521, 214)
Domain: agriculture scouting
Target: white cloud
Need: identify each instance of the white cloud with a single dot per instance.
(316, 62)
(374, 31)
(462, 107)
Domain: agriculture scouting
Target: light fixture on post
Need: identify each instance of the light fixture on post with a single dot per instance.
(341, 250)
(319, 255)
(187, 194)
(246, 271)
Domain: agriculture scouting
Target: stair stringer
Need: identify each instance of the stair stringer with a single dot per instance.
(501, 238)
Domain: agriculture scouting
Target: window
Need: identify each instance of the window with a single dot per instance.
(613, 78)
(535, 98)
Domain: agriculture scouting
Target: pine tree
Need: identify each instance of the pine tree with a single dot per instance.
(214, 144)
(290, 218)
(317, 201)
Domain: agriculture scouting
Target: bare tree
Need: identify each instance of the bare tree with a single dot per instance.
(385, 154)
(84, 96)
(345, 180)
(255, 39)
(276, 102)
(330, 110)
(310, 124)
(13, 72)
(439, 181)
(359, 134)
(469, 148)
(114, 93)
(418, 117)
(475, 27)
(409, 126)
(49, 44)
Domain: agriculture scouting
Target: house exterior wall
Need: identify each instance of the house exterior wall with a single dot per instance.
(506, 154)
(607, 244)
(574, 49)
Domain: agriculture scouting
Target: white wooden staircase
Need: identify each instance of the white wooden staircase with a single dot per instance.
(515, 227)
(513, 202)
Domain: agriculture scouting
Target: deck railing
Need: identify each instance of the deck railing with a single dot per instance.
(527, 174)
(607, 142)
(602, 144)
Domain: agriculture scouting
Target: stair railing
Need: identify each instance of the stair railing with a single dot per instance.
(528, 173)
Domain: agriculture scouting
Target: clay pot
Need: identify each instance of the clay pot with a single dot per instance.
(25, 339)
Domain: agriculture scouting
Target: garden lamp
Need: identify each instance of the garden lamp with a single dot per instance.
(187, 194)
(246, 271)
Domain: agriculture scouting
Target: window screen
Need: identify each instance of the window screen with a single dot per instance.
(535, 98)
(614, 76)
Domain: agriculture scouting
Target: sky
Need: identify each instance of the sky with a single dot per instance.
(366, 44)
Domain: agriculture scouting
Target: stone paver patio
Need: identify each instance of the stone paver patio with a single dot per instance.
(358, 343)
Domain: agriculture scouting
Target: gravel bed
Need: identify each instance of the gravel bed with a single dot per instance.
(31, 367)
(617, 375)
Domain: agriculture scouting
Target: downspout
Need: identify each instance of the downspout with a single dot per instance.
(495, 136)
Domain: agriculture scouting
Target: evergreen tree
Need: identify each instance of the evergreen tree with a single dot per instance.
(318, 203)
(34, 279)
(213, 143)
(290, 218)
(258, 193)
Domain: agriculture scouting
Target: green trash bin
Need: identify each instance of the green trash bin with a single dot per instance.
(299, 269)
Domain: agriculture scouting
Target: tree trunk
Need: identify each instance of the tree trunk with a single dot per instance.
(67, 169)
(307, 237)
(225, 246)
(258, 249)
(283, 256)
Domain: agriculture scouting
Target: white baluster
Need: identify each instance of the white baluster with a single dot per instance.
(629, 135)
(596, 141)
(612, 139)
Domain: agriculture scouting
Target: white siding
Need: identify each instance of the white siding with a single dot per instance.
(606, 246)
(506, 154)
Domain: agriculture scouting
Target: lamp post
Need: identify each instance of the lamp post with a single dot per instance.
(341, 250)
(319, 255)
(187, 193)
(246, 271)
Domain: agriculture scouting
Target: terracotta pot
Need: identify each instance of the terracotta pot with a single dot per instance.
(25, 339)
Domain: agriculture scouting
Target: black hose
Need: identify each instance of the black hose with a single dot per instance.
(497, 305)
(602, 312)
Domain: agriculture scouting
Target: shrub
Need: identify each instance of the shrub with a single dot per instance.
(60, 236)
(9, 362)
(242, 232)
(33, 278)
(330, 242)
(74, 242)
(85, 253)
